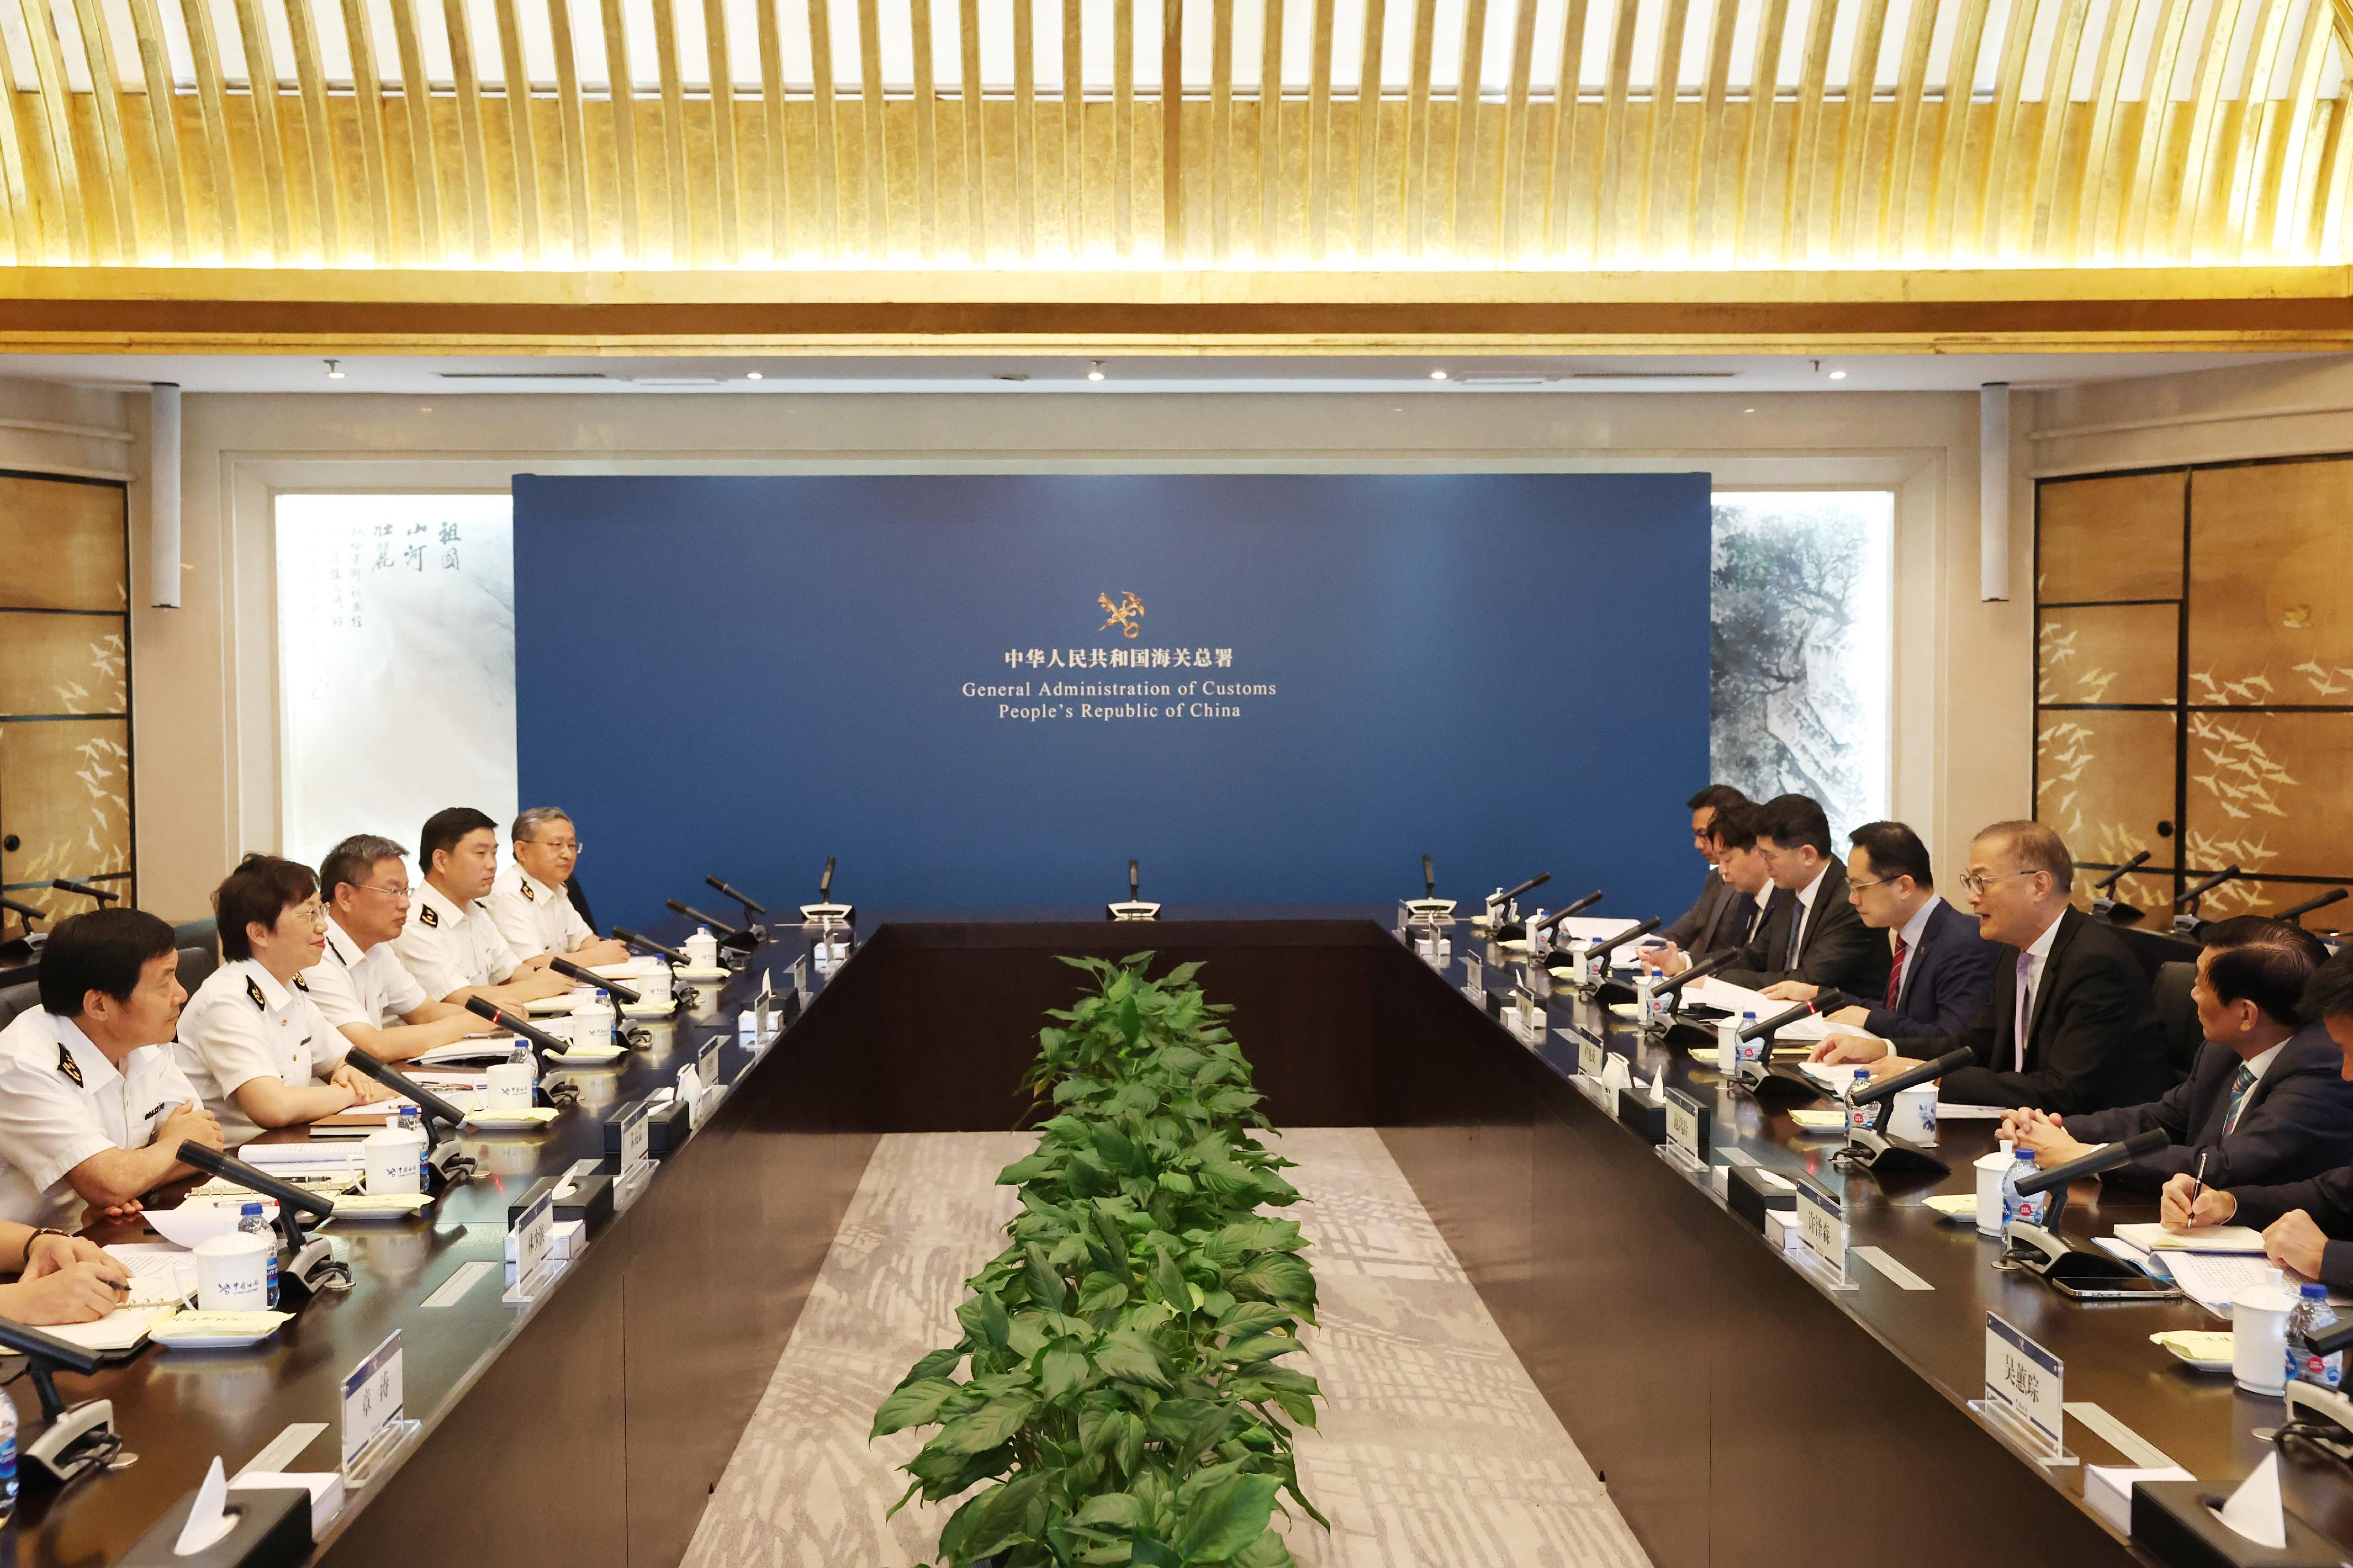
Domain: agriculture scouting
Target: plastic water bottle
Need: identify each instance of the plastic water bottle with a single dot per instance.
(1859, 1117)
(1752, 1051)
(2311, 1316)
(252, 1224)
(2016, 1206)
(520, 1057)
(8, 1458)
(412, 1123)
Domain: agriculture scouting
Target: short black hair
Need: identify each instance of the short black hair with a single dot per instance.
(1791, 820)
(445, 827)
(2327, 994)
(354, 861)
(1894, 850)
(262, 888)
(104, 950)
(2263, 960)
(1715, 797)
(1733, 825)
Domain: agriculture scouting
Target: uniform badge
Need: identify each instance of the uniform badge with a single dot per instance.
(429, 915)
(528, 897)
(301, 985)
(68, 1065)
(253, 989)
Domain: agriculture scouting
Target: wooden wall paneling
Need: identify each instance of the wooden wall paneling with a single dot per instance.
(2271, 584)
(2152, 895)
(1610, 192)
(572, 124)
(471, 138)
(726, 171)
(1989, 217)
(2104, 780)
(61, 545)
(2109, 653)
(2232, 152)
(105, 100)
(162, 126)
(1706, 230)
(2140, 176)
(2114, 537)
(56, 106)
(1269, 128)
(877, 167)
(62, 664)
(1413, 174)
(678, 198)
(2267, 792)
(1560, 163)
(65, 784)
(2095, 190)
(1944, 195)
(1854, 122)
(2207, 118)
(325, 184)
(2046, 196)
(1666, 71)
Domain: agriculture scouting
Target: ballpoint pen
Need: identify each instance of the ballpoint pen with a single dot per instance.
(2198, 1183)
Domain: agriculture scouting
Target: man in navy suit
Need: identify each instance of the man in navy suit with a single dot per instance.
(1940, 970)
(2266, 1102)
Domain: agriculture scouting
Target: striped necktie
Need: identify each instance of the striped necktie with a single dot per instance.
(2242, 1084)
(1895, 974)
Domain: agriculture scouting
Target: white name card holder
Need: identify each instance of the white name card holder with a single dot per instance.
(534, 1267)
(637, 1156)
(708, 1090)
(1475, 981)
(800, 978)
(1821, 1236)
(1686, 1145)
(1590, 1059)
(2025, 1396)
(374, 1414)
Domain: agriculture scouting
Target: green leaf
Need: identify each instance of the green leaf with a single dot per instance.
(1269, 1551)
(985, 1428)
(1062, 1371)
(911, 1404)
(991, 1520)
(1226, 1518)
(939, 1363)
(1176, 1182)
(1101, 1293)
(1131, 1021)
(1279, 1277)
(1126, 1357)
(1045, 1281)
(1252, 1318)
(1169, 1279)
(983, 1317)
(1119, 1509)
(1262, 1347)
(1113, 1144)
(1147, 1552)
(1181, 975)
(1026, 1170)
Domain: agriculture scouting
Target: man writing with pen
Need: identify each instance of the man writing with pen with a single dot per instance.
(2308, 1224)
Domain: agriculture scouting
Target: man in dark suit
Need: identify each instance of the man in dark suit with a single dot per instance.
(1736, 919)
(1687, 928)
(1811, 932)
(2264, 1102)
(2308, 1225)
(2069, 1026)
(1941, 970)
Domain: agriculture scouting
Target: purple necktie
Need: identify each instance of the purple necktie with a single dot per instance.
(2025, 968)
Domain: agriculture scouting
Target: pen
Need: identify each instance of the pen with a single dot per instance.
(2198, 1182)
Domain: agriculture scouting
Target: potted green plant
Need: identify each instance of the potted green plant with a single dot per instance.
(1116, 1393)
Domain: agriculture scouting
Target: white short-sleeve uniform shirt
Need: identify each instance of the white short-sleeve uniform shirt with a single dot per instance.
(449, 948)
(371, 987)
(242, 1024)
(533, 917)
(62, 1101)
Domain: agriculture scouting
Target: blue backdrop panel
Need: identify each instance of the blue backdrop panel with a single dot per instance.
(1328, 676)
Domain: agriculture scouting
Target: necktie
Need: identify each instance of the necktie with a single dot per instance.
(1748, 920)
(2025, 1003)
(2242, 1084)
(1895, 974)
(1797, 932)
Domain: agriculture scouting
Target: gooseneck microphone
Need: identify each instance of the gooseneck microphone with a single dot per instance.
(2296, 913)
(1133, 884)
(2106, 1157)
(648, 944)
(713, 922)
(29, 914)
(514, 1024)
(87, 892)
(1552, 921)
(589, 977)
(1699, 971)
(1910, 1078)
(824, 882)
(2112, 878)
(1602, 950)
(1762, 1026)
(750, 906)
(436, 1108)
(1429, 879)
(1505, 898)
(2190, 898)
(311, 1261)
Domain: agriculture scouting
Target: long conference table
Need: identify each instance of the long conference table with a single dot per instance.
(1738, 1410)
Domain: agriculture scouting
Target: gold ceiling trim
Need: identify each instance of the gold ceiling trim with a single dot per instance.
(2186, 149)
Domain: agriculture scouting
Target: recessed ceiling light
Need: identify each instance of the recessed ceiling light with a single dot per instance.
(754, 376)
(334, 371)
(1437, 376)
(1838, 375)
(1749, 411)
(1095, 371)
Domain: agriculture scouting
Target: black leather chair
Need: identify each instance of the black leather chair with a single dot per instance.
(196, 965)
(18, 1000)
(2178, 1013)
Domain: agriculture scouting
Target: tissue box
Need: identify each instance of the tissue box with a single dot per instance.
(588, 1204)
(2174, 1521)
(325, 1487)
(272, 1531)
(1749, 1194)
(667, 1129)
(1635, 1110)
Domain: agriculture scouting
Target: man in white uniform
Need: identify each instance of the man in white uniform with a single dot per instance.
(450, 944)
(361, 984)
(93, 1108)
(528, 900)
(251, 1040)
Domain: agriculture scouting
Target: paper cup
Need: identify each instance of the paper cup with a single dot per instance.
(2259, 1339)
(233, 1275)
(511, 1087)
(1990, 1168)
(1914, 1118)
(395, 1160)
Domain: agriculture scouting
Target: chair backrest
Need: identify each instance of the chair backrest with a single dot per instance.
(2178, 1013)
(18, 1000)
(204, 934)
(196, 965)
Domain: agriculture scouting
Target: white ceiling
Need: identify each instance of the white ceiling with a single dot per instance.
(1388, 375)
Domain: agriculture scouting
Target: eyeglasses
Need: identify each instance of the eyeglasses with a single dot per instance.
(561, 845)
(1976, 884)
(401, 894)
(315, 915)
(1853, 886)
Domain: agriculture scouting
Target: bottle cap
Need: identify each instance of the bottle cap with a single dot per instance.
(2315, 1291)
(254, 1208)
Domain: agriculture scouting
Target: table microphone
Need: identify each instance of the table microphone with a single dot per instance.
(1912, 1077)
(648, 944)
(1672, 983)
(87, 892)
(1429, 879)
(750, 906)
(27, 911)
(81, 1438)
(1602, 950)
(2112, 878)
(560, 1090)
(589, 977)
(2106, 1157)
(1552, 921)
(2296, 913)
(731, 936)
(2040, 1250)
(442, 1151)
(1500, 929)
(314, 1262)
(1766, 1028)
(1871, 1148)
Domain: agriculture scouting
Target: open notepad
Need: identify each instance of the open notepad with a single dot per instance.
(2211, 1238)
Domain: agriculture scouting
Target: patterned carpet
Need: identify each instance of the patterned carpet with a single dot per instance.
(1435, 1448)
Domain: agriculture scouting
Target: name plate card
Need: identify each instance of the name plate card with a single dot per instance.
(2025, 1392)
(1589, 1057)
(1474, 980)
(1683, 1134)
(374, 1410)
(1822, 1228)
(535, 1237)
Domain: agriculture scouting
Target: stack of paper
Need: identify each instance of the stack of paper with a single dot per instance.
(2207, 1239)
(312, 1159)
(2215, 1280)
(490, 1049)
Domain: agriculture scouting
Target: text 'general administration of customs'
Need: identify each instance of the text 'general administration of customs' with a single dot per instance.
(1120, 681)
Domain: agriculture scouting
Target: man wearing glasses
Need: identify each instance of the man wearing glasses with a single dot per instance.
(256, 1047)
(2069, 1026)
(1811, 932)
(359, 983)
(529, 900)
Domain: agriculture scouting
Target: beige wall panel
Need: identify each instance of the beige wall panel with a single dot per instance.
(2269, 792)
(61, 545)
(2104, 780)
(62, 664)
(65, 791)
(2270, 584)
(2109, 653)
(2115, 538)
(2152, 895)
